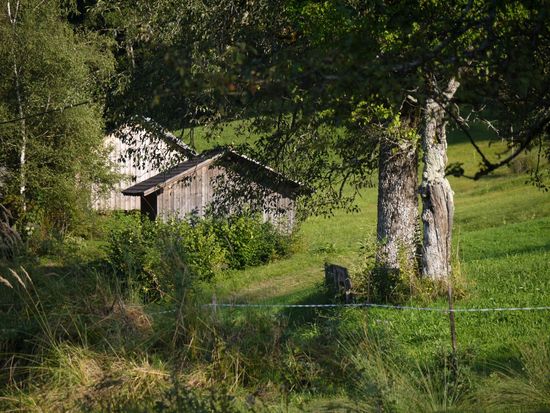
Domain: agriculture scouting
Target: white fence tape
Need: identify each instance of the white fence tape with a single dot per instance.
(385, 306)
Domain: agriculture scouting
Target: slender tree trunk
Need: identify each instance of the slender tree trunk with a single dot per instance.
(435, 190)
(397, 206)
(23, 148)
(12, 15)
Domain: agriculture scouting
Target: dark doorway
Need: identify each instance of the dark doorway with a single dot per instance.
(149, 205)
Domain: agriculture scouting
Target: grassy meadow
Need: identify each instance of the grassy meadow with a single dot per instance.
(72, 340)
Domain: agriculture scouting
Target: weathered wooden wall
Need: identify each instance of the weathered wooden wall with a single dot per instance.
(190, 194)
(131, 169)
(196, 191)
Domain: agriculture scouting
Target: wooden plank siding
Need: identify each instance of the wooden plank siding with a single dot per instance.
(222, 180)
(130, 174)
(163, 155)
(161, 183)
(195, 192)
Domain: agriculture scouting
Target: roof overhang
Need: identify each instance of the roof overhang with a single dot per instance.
(168, 177)
(253, 170)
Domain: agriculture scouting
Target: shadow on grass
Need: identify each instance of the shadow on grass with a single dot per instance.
(479, 132)
(300, 315)
(296, 316)
(487, 255)
(502, 358)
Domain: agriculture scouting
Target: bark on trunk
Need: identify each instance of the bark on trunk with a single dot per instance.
(435, 190)
(23, 149)
(397, 206)
(12, 15)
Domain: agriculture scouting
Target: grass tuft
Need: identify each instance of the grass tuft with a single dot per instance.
(526, 388)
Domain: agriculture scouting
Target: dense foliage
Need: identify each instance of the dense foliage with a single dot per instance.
(51, 124)
(326, 92)
(146, 254)
(70, 339)
(337, 89)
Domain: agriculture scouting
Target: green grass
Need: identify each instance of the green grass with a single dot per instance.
(501, 239)
(500, 199)
(203, 138)
(86, 340)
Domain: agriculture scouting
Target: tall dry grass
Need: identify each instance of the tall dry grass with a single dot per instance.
(10, 240)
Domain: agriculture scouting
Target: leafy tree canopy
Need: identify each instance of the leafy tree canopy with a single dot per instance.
(322, 81)
(51, 111)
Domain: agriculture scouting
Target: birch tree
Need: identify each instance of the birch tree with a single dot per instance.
(13, 9)
(51, 123)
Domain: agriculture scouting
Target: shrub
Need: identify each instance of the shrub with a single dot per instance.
(151, 254)
(250, 242)
(192, 246)
(132, 253)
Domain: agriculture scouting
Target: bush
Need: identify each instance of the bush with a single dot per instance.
(132, 252)
(191, 246)
(150, 254)
(249, 241)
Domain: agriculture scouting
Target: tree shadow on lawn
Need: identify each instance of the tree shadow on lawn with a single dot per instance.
(479, 131)
(493, 252)
(298, 316)
(501, 358)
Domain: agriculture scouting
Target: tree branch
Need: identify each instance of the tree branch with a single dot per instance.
(488, 166)
(461, 124)
(532, 134)
(454, 34)
(45, 112)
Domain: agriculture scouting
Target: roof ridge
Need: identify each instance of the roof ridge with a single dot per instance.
(164, 178)
(169, 137)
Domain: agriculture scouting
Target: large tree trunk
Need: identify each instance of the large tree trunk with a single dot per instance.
(437, 196)
(397, 206)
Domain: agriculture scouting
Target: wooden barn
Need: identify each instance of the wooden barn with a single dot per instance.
(222, 180)
(137, 153)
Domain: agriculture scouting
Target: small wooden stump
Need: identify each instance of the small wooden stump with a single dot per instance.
(337, 279)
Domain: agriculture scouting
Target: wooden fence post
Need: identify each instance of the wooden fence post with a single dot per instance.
(337, 279)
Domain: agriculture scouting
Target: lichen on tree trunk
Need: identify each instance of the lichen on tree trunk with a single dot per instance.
(397, 205)
(435, 190)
